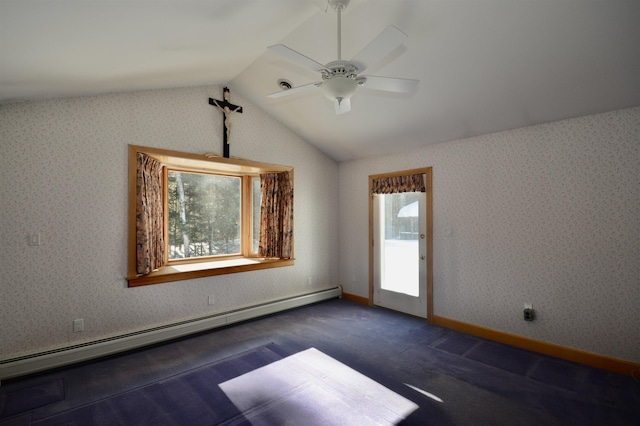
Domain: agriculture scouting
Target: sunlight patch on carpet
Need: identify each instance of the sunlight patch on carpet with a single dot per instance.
(424, 392)
(312, 388)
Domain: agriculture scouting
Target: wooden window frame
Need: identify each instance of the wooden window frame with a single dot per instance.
(176, 270)
(427, 172)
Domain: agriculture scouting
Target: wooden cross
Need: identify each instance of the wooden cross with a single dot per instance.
(227, 109)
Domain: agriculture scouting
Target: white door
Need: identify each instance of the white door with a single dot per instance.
(400, 252)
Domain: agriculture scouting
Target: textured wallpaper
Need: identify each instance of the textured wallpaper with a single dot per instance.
(63, 174)
(548, 215)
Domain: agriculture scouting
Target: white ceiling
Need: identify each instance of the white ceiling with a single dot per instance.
(483, 65)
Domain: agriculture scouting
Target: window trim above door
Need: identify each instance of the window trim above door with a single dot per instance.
(427, 172)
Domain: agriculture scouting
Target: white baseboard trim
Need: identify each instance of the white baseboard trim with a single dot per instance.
(41, 361)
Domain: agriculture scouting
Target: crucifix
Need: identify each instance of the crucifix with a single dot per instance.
(227, 109)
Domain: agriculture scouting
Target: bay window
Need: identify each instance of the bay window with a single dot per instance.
(193, 216)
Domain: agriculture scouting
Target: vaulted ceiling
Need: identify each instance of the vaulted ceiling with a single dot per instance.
(483, 65)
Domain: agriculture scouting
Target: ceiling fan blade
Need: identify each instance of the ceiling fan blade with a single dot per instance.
(384, 43)
(391, 84)
(297, 57)
(342, 106)
(294, 90)
(323, 5)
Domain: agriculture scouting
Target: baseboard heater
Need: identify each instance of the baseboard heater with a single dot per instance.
(46, 360)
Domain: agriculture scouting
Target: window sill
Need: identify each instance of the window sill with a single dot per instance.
(187, 271)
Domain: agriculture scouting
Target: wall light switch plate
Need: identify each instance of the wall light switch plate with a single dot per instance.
(78, 325)
(34, 239)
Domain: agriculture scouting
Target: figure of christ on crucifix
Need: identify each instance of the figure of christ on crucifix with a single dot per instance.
(227, 109)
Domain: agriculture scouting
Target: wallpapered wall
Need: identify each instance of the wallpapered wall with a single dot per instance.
(63, 174)
(548, 215)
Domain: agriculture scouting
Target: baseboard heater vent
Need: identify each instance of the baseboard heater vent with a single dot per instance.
(46, 360)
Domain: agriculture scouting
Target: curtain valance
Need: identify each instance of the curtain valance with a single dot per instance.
(396, 184)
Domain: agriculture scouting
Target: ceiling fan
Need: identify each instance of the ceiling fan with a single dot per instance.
(341, 78)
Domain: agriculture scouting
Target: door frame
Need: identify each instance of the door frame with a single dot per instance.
(427, 171)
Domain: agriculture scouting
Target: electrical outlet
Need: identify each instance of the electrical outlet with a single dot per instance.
(78, 325)
(309, 281)
(212, 299)
(529, 314)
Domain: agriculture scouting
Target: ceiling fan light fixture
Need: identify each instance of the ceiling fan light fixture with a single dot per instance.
(340, 78)
(339, 88)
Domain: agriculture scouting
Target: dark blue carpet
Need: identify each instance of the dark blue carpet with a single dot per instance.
(33, 396)
(457, 344)
(558, 373)
(505, 357)
(477, 382)
(192, 398)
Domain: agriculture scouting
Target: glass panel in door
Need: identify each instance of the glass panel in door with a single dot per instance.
(400, 252)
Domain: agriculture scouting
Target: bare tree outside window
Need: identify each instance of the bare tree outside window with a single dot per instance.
(204, 215)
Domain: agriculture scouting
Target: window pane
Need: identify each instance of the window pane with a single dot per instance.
(401, 243)
(204, 215)
(256, 197)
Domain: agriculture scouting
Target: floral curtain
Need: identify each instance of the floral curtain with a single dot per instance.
(276, 216)
(149, 225)
(396, 184)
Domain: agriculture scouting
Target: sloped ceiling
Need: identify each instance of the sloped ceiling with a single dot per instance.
(483, 65)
